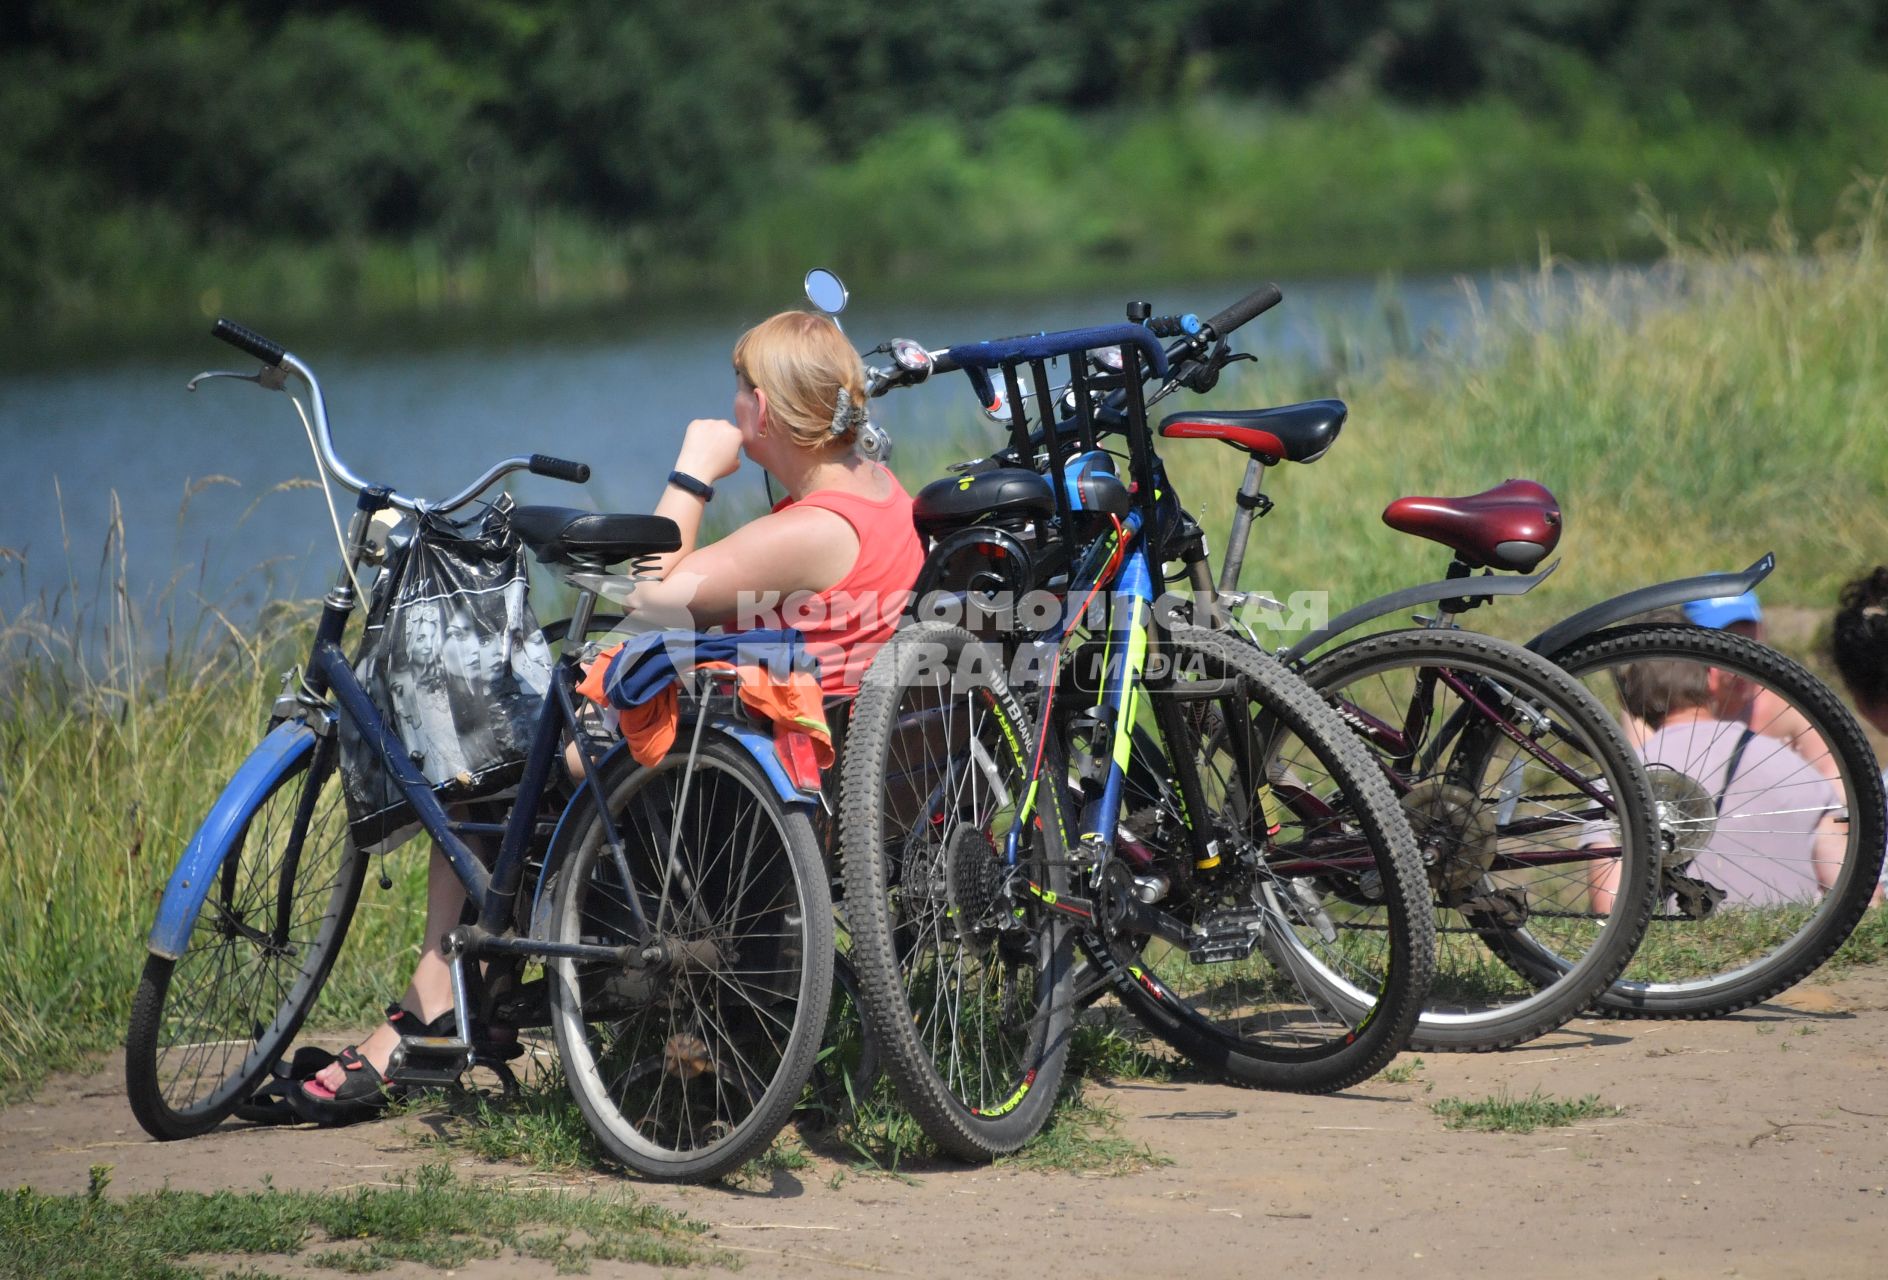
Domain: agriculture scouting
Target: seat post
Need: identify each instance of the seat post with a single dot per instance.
(1251, 501)
(580, 616)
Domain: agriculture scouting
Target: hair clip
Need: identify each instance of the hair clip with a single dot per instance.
(846, 415)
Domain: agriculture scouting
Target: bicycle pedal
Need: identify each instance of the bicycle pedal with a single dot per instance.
(430, 1062)
(1226, 939)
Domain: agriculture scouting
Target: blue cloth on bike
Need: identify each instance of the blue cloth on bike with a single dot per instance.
(649, 663)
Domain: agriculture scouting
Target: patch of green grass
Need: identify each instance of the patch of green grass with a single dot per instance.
(540, 1126)
(1868, 944)
(1675, 951)
(1118, 1049)
(434, 1220)
(1505, 1113)
(1401, 1071)
(880, 1134)
(1083, 1136)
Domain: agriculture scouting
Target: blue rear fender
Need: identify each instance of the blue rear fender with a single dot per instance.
(284, 749)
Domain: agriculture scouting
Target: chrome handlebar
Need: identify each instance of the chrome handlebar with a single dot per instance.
(275, 378)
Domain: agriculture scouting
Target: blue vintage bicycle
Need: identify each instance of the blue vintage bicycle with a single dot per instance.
(672, 924)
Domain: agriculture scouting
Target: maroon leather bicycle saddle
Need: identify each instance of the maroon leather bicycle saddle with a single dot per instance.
(1289, 433)
(1511, 526)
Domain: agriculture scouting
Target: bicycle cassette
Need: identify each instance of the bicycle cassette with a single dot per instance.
(1688, 816)
(1455, 832)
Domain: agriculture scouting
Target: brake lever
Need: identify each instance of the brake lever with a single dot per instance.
(271, 377)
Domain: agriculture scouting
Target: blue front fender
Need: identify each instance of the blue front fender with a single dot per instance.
(281, 751)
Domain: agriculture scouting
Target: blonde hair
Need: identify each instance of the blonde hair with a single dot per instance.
(802, 361)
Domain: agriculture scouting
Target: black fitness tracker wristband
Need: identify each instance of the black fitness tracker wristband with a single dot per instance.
(689, 484)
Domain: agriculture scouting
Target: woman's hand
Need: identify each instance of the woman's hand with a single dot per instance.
(710, 450)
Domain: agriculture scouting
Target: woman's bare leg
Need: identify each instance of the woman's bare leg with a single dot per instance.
(429, 994)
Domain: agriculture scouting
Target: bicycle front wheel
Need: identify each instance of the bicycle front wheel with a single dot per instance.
(1314, 884)
(963, 967)
(1770, 804)
(208, 1025)
(1532, 814)
(687, 1067)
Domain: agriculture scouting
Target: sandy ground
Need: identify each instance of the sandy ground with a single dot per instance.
(1752, 1146)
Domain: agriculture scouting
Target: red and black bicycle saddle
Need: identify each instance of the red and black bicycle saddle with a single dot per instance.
(1289, 433)
(1511, 526)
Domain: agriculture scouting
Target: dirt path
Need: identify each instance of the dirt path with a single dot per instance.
(1754, 1146)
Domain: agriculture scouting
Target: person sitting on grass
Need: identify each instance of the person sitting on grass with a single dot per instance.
(1773, 835)
(1858, 643)
(841, 546)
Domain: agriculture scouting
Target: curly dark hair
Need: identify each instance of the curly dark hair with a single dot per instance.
(1858, 641)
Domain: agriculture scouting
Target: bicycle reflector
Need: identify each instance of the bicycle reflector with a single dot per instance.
(794, 749)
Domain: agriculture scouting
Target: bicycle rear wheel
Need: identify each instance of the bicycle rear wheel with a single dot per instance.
(1317, 883)
(1533, 817)
(963, 969)
(687, 1068)
(1772, 811)
(207, 1026)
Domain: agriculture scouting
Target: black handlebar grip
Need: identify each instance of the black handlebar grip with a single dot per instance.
(542, 464)
(248, 340)
(1255, 303)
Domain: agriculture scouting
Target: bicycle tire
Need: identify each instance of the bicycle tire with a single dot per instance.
(1555, 970)
(186, 1016)
(848, 1040)
(926, 889)
(1803, 933)
(1259, 1020)
(846, 1069)
(706, 1053)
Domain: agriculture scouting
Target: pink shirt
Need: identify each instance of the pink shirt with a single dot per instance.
(1761, 852)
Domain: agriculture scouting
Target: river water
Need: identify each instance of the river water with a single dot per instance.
(86, 442)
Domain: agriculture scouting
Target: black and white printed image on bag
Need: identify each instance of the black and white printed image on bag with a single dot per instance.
(457, 666)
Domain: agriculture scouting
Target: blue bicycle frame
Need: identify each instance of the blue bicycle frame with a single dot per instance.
(307, 723)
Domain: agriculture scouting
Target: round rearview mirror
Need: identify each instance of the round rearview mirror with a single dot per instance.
(825, 291)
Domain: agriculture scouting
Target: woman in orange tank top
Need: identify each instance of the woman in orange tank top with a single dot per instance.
(837, 558)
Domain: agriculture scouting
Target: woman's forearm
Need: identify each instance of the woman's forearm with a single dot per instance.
(686, 510)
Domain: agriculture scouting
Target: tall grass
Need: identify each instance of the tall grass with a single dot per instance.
(1725, 403)
(112, 747)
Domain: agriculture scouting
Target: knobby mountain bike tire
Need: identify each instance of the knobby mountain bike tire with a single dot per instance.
(1749, 806)
(1533, 816)
(206, 1027)
(687, 1068)
(963, 970)
(1307, 837)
